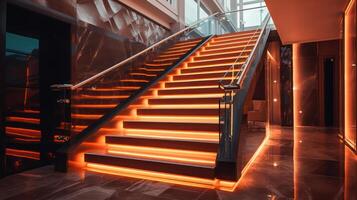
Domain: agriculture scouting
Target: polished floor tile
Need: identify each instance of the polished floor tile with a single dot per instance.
(301, 163)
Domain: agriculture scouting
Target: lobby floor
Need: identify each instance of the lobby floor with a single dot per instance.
(304, 163)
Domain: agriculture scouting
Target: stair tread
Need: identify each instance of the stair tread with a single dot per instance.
(163, 139)
(152, 160)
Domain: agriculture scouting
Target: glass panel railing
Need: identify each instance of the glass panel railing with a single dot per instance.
(83, 104)
(238, 142)
(86, 102)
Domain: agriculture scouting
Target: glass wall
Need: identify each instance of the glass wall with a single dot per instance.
(194, 10)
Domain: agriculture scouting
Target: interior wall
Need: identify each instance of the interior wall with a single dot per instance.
(308, 82)
(101, 30)
(2, 89)
(286, 85)
(273, 73)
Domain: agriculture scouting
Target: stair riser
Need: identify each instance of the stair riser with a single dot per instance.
(192, 83)
(192, 91)
(225, 45)
(88, 101)
(178, 112)
(183, 47)
(167, 144)
(216, 62)
(171, 126)
(234, 35)
(23, 125)
(82, 122)
(234, 40)
(97, 111)
(183, 101)
(151, 166)
(216, 51)
(226, 55)
(107, 93)
(208, 69)
(24, 115)
(200, 76)
(118, 84)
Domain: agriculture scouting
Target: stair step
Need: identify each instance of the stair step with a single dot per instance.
(150, 165)
(228, 49)
(106, 92)
(178, 112)
(163, 143)
(218, 76)
(180, 51)
(236, 39)
(197, 90)
(92, 108)
(183, 101)
(174, 135)
(218, 68)
(102, 100)
(222, 55)
(234, 35)
(23, 132)
(182, 47)
(25, 113)
(188, 42)
(217, 61)
(231, 44)
(21, 124)
(162, 125)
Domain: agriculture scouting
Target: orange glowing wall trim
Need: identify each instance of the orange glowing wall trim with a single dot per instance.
(350, 75)
(296, 84)
(23, 154)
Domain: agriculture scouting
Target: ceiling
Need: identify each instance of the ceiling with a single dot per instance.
(299, 21)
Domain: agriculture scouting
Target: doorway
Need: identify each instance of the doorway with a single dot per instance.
(329, 65)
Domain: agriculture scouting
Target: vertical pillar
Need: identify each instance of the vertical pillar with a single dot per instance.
(241, 20)
(2, 88)
(234, 15)
(198, 9)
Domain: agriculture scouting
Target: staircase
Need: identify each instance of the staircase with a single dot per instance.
(93, 102)
(171, 133)
(23, 127)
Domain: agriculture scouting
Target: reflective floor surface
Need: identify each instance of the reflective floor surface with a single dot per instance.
(300, 163)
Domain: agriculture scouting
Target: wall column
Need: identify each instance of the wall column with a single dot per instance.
(2, 88)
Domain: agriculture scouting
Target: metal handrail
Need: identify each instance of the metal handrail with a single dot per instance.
(239, 76)
(73, 87)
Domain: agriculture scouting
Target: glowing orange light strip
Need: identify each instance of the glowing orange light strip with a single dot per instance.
(215, 139)
(208, 72)
(23, 154)
(94, 105)
(104, 97)
(134, 80)
(218, 59)
(155, 150)
(23, 119)
(161, 157)
(161, 177)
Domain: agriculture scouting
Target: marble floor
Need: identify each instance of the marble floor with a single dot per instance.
(304, 163)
